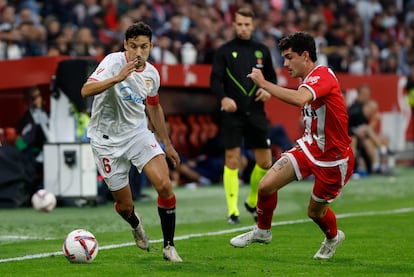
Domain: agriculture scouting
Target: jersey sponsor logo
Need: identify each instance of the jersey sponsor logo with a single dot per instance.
(268, 142)
(313, 80)
(130, 95)
(308, 111)
(258, 54)
(172, 211)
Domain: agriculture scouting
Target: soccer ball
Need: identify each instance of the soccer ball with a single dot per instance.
(43, 200)
(80, 246)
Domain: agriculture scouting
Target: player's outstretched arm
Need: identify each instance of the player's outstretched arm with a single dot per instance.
(93, 87)
(291, 96)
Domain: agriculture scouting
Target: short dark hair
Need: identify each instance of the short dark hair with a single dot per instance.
(247, 12)
(299, 42)
(28, 93)
(138, 29)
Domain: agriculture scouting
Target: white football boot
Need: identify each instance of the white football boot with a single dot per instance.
(329, 246)
(170, 254)
(141, 238)
(256, 235)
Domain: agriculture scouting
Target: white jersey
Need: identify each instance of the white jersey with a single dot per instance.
(118, 113)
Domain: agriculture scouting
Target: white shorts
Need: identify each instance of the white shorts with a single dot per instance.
(114, 161)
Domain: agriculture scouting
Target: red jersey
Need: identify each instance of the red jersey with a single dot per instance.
(325, 140)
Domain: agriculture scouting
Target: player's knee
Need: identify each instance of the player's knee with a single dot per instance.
(124, 208)
(314, 215)
(265, 164)
(164, 188)
(265, 188)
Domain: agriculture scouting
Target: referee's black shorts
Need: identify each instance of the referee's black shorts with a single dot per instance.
(254, 128)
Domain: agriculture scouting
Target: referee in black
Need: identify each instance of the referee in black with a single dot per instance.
(244, 122)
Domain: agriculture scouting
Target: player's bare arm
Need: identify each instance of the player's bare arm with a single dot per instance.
(291, 96)
(92, 87)
(156, 115)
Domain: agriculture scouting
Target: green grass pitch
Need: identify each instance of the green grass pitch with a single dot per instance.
(376, 214)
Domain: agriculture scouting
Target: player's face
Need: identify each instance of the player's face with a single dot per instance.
(364, 94)
(138, 48)
(294, 63)
(244, 26)
(36, 99)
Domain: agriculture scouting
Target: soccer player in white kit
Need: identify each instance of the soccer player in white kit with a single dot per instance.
(125, 89)
(323, 151)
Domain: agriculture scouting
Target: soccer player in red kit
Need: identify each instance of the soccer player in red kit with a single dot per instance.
(323, 150)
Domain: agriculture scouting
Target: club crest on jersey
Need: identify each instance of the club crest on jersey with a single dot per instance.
(259, 58)
(148, 83)
(234, 54)
(129, 95)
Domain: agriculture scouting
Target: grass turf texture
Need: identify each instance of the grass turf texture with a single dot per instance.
(376, 214)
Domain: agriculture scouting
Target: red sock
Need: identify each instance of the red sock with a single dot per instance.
(166, 203)
(265, 207)
(328, 224)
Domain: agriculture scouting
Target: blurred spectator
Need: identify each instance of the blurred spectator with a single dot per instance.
(84, 42)
(279, 137)
(271, 43)
(9, 35)
(53, 51)
(319, 30)
(188, 53)
(187, 174)
(64, 40)
(174, 30)
(209, 53)
(366, 10)
(372, 60)
(363, 122)
(161, 10)
(53, 28)
(336, 47)
(100, 31)
(33, 133)
(33, 39)
(124, 22)
(161, 52)
(84, 11)
(28, 12)
(346, 31)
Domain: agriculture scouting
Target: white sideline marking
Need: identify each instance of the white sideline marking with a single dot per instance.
(23, 238)
(185, 237)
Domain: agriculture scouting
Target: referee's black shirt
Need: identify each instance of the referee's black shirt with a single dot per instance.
(232, 62)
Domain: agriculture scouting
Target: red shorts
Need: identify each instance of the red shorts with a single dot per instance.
(328, 180)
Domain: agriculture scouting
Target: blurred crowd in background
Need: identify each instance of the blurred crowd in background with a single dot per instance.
(352, 36)
(355, 36)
